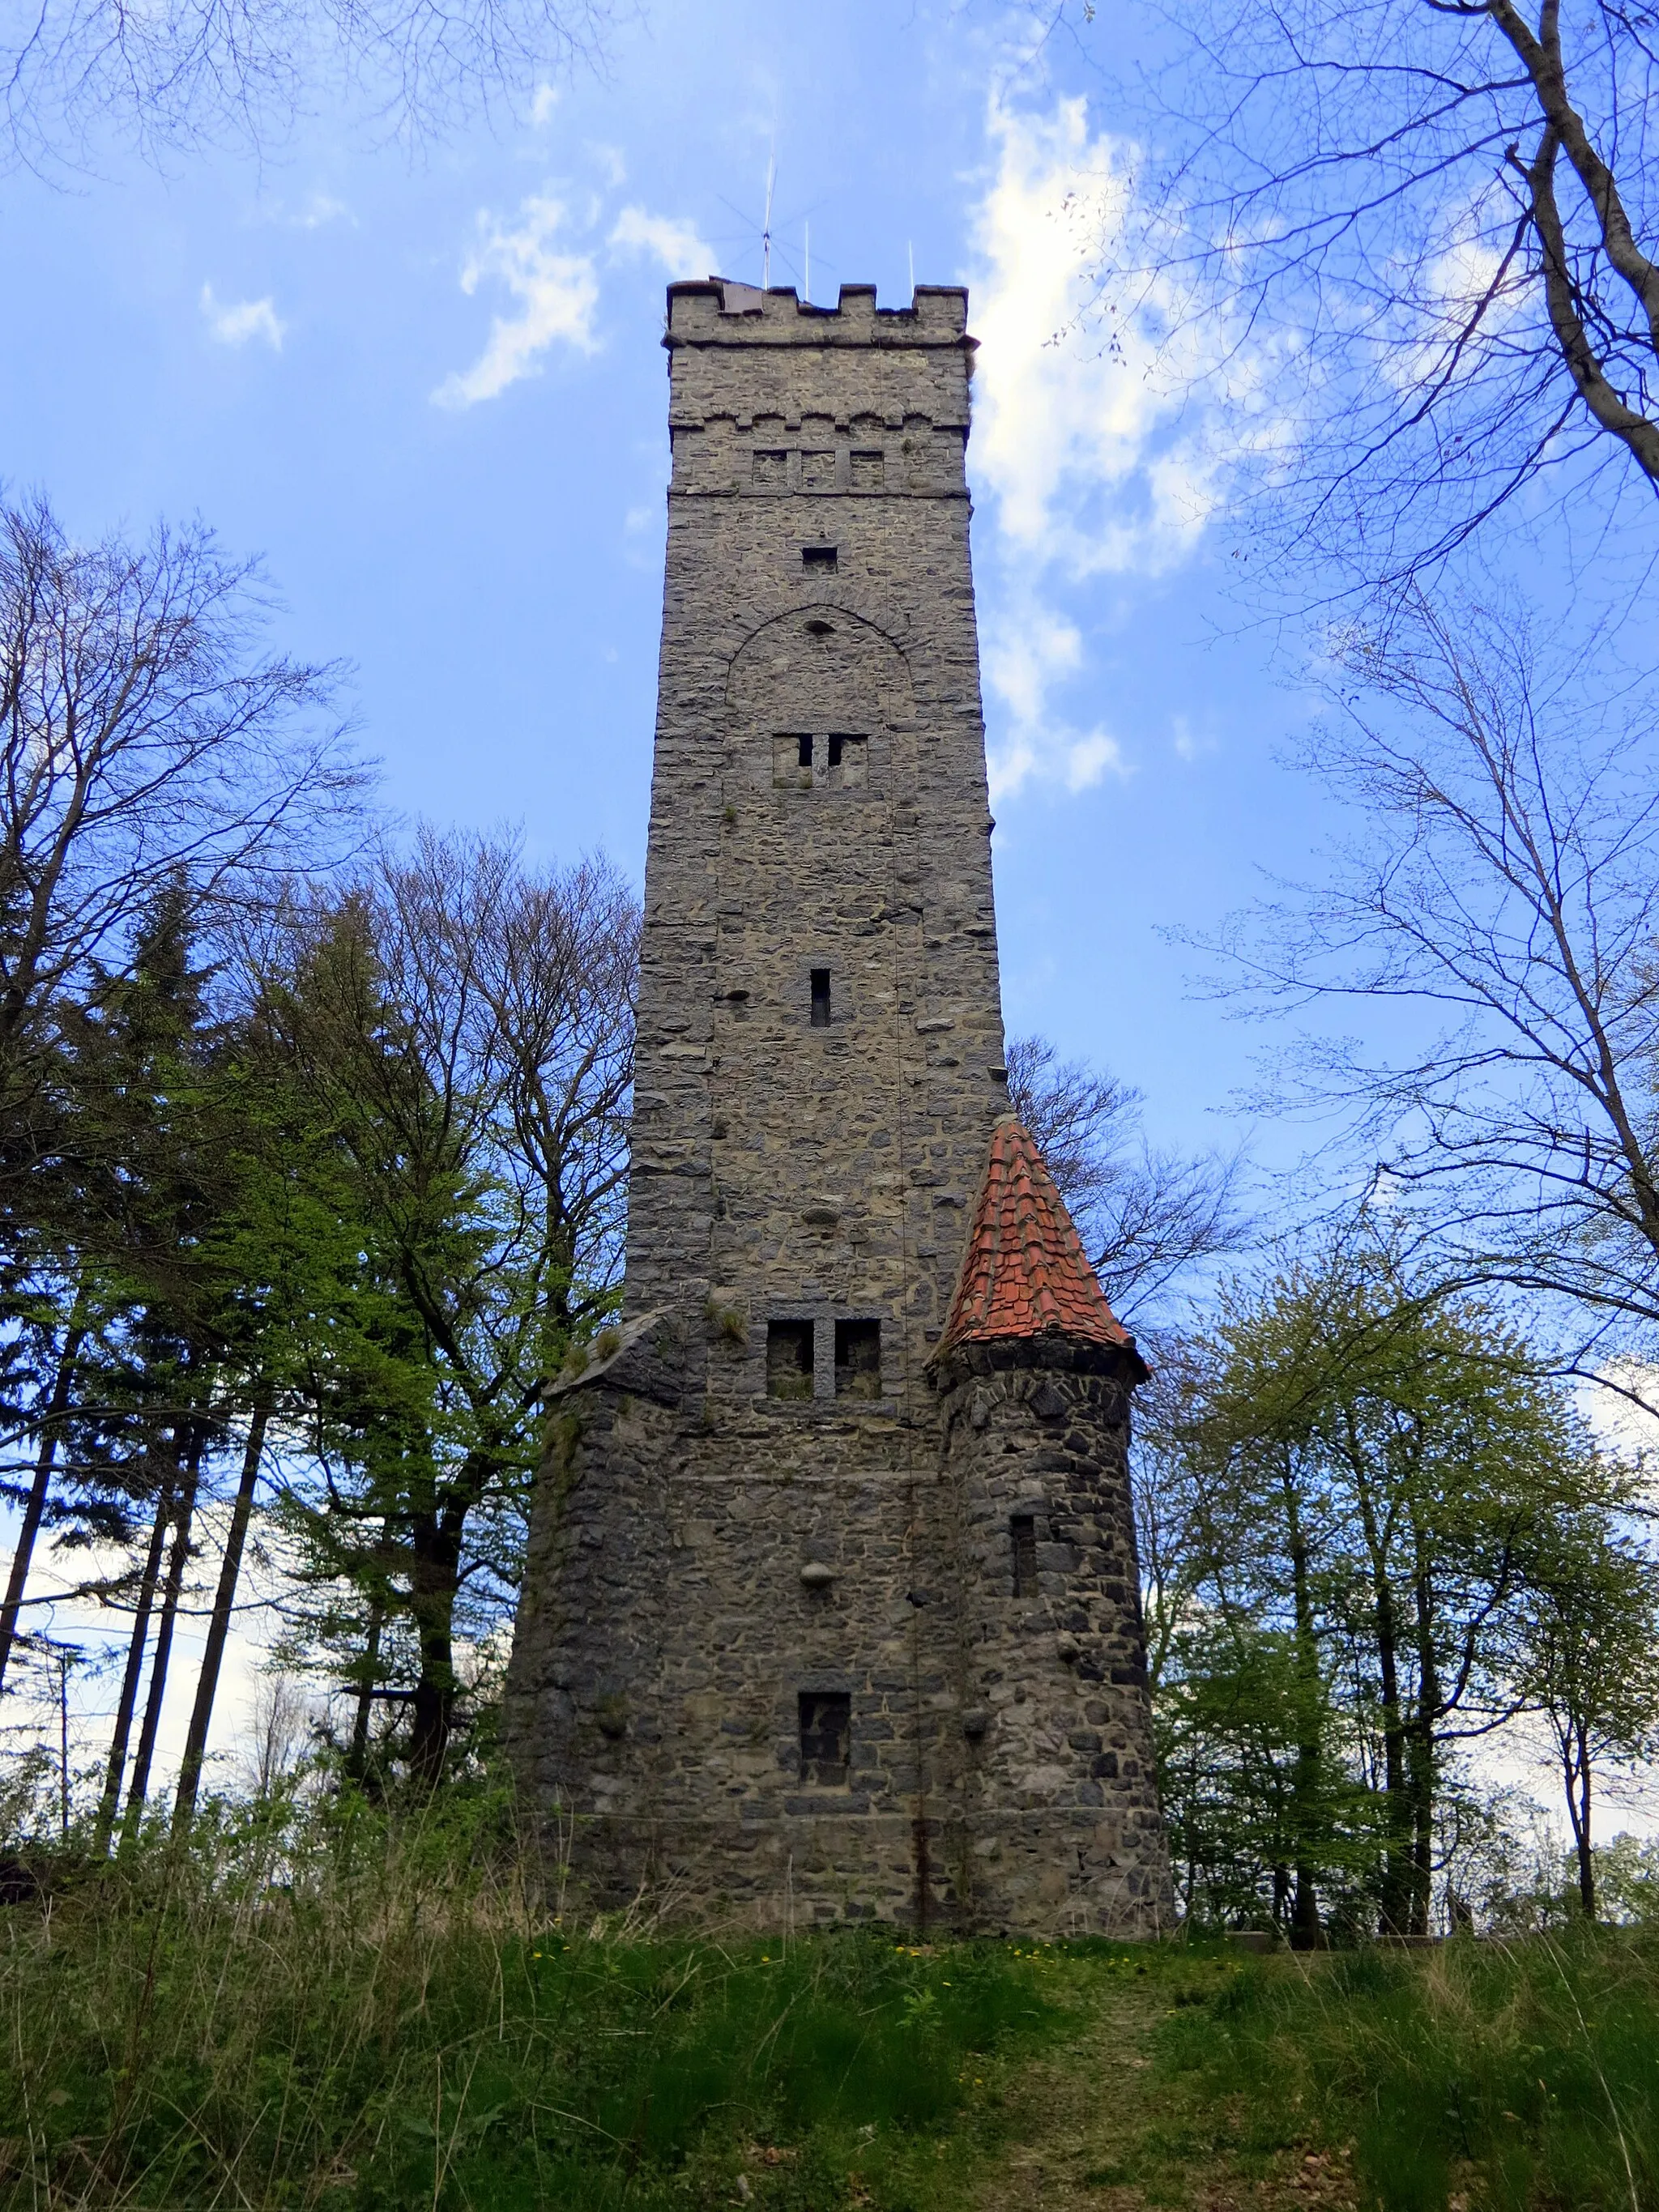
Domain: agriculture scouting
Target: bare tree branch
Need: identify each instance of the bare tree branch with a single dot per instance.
(1146, 1216)
(1423, 235)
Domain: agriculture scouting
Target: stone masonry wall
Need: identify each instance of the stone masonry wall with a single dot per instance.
(1060, 1824)
(704, 1554)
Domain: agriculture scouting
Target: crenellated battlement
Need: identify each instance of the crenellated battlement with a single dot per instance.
(722, 312)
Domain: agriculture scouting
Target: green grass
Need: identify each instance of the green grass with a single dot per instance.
(339, 2012)
(373, 2033)
(1511, 2076)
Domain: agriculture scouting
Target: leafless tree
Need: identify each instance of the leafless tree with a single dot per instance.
(1502, 885)
(143, 734)
(1425, 231)
(1146, 1215)
(76, 74)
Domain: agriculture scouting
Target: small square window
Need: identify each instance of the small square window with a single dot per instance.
(1022, 1536)
(867, 472)
(818, 471)
(846, 761)
(820, 998)
(792, 760)
(789, 1359)
(858, 1359)
(771, 471)
(819, 560)
(826, 1728)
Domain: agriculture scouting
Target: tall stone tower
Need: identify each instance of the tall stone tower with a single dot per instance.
(831, 1606)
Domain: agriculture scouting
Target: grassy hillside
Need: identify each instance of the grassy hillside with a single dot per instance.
(384, 2025)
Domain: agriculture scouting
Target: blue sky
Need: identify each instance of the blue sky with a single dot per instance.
(430, 394)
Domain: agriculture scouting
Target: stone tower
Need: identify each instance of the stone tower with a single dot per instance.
(831, 1606)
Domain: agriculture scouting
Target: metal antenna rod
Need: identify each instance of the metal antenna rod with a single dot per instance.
(806, 279)
(766, 235)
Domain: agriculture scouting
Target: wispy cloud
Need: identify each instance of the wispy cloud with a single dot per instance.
(235, 323)
(1030, 651)
(1081, 433)
(557, 295)
(320, 209)
(678, 245)
(1093, 462)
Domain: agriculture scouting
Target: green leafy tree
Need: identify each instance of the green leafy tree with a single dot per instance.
(462, 1032)
(1590, 1657)
(1382, 1474)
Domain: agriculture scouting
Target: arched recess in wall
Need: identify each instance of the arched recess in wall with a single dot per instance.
(814, 671)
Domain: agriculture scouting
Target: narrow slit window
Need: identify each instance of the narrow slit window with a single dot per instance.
(804, 757)
(826, 1728)
(820, 998)
(858, 1359)
(821, 559)
(789, 1359)
(1022, 1534)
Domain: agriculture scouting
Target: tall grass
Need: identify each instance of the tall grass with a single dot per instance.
(1511, 2076)
(351, 2012)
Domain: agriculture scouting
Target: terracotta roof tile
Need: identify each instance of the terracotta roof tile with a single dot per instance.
(1024, 1273)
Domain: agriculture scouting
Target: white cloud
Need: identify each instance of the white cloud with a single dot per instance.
(558, 295)
(321, 209)
(679, 246)
(1088, 758)
(1028, 649)
(1095, 459)
(234, 324)
(1080, 434)
(542, 107)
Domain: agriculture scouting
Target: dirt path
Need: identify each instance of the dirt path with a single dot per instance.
(1102, 2122)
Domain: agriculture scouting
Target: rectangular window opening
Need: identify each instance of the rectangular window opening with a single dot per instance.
(817, 470)
(867, 472)
(1022, 1536)
(820, 998)
(789, 1359)
(772, 471)
(846, 757)
(792, 760)
(858, 1359)
(826, 1727)
(820, 559)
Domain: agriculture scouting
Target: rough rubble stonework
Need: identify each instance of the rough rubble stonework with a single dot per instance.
(713, 1565)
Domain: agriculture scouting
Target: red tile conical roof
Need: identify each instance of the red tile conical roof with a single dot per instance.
(1024, 1273)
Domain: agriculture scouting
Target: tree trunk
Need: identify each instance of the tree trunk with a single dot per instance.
(435, 1543)
(1395, 1905)
(224, 1599)
(1307, 1778)
(1578, 1804)
(1423, 1759)
(185, 1508)
(40, 1490)
(110, 1799)
(357, 1756)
